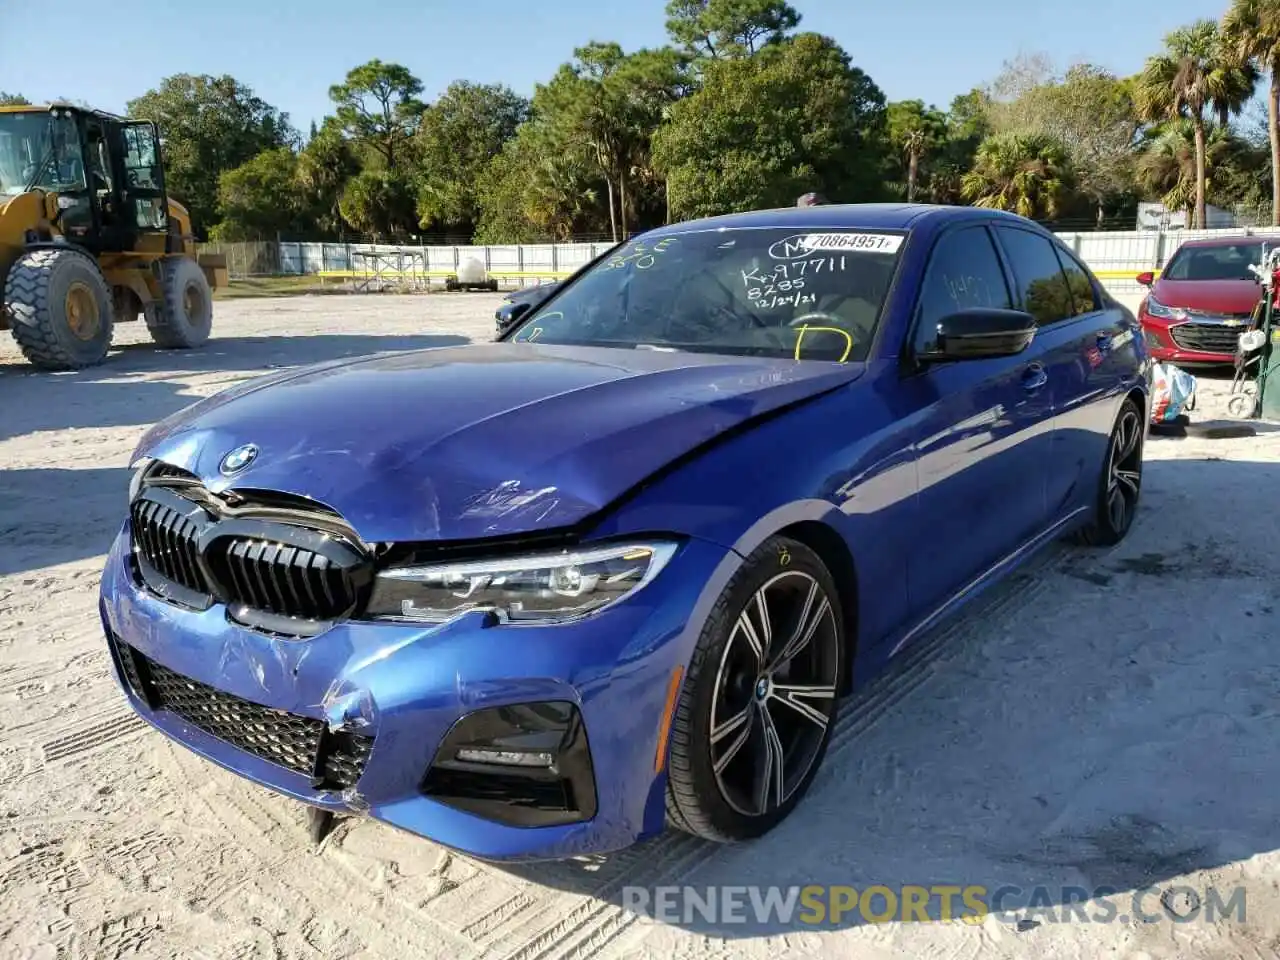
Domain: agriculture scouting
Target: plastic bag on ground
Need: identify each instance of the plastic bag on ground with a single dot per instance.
(1171, 389)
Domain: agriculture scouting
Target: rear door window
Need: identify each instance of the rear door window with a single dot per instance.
(1084, 297)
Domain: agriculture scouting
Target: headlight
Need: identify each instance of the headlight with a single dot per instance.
(546, 588)
(135, 480)
(1157, 309)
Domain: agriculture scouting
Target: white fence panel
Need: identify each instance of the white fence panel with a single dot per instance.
(571, 256)
(504, 261)
(311, 256)
(540, 260)
(442, 259)
(290, 258)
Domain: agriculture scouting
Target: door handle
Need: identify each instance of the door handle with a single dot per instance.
(1035, 377)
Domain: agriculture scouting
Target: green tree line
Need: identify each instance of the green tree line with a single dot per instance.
(742, 109)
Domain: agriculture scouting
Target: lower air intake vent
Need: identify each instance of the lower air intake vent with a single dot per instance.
(304, 745)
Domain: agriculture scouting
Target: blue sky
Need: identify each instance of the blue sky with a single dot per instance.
(291, 53)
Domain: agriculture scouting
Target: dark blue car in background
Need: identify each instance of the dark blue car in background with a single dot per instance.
(518, 302)
(544, 596)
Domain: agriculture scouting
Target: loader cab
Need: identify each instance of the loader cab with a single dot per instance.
(106, 171)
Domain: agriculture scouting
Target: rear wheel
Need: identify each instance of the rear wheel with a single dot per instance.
(759, 702)
(59, 309)
(184, 317)
(1121, 482)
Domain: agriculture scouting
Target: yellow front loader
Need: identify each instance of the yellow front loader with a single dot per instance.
(89, 238)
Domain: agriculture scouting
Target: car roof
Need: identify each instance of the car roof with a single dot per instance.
(1227, 241)
(871, 216)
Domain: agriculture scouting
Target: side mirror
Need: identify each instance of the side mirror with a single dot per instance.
(509, 313)
(1146, 278)
(982, 333)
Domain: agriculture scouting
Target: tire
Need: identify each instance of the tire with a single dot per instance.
(183, 319)
(59, 309)
(1240, 405)
(707, 777)
(1121, 478)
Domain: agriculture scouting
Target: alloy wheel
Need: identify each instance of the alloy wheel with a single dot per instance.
(1124, 471)
(775, 693)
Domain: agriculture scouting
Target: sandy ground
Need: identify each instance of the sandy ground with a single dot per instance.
(1106, 718)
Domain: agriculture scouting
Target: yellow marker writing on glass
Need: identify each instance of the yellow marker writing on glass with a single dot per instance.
(844, 333)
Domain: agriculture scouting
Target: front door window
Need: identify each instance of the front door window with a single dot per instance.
(143, 177)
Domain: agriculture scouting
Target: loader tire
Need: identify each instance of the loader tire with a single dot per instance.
(59, 309)
(184, 317)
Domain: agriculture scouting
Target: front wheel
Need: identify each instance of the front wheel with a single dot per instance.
(1121, 482)
(59, 309)
(759, 701)
(184, 318)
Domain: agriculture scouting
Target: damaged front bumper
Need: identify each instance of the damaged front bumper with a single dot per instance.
(529, 742)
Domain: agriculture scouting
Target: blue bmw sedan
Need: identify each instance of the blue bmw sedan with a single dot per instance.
(546, 596)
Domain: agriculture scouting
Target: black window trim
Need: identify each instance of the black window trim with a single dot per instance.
(908, 365)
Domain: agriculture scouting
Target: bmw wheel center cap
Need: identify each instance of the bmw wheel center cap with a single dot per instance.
(236, 460)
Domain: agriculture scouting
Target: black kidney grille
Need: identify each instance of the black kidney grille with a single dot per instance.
(280, 578)
(166, 540)
(333, 761)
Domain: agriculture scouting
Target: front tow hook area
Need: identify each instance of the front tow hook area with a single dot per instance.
(319, 824)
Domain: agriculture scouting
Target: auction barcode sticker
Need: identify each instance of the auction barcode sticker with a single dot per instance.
(854, 242)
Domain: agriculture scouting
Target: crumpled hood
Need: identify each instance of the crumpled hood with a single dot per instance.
(484, 440)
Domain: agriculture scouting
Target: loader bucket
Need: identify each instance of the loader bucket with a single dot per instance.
(214, 266)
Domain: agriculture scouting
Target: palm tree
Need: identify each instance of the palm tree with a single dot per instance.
(914, 145)
(1194, 75)
(1251, 29)
(915, 130)
(1167, 166)
(1027, 173)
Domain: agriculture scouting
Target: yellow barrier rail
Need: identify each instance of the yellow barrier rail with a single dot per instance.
(1122, 274)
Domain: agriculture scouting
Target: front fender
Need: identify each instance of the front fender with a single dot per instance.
(791, 470)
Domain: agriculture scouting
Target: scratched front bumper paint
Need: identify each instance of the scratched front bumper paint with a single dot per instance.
(406, 685)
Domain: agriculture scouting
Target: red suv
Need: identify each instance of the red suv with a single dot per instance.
(1202, 302)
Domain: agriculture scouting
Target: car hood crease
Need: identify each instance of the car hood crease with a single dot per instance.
(487, 440)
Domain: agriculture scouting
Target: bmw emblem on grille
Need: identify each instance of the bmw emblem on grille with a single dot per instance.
(236, 460)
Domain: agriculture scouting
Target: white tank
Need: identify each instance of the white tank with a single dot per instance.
(472, 271)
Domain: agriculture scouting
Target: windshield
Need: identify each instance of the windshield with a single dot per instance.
(39, 149)
(803, 295)
(1224, 262)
